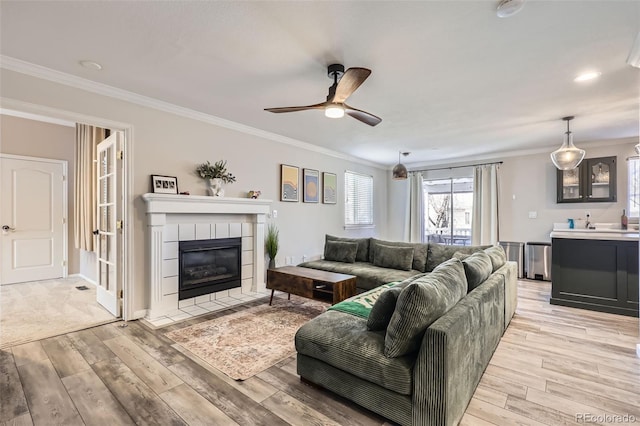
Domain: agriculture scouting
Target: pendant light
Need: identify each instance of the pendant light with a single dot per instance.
(568, 156)
(400, 171)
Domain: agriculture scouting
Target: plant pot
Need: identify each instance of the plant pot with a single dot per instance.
(215, 187)
(272, 263)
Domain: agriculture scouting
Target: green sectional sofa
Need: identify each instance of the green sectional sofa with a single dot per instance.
(418, 353)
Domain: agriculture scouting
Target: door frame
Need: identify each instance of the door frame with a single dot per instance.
(65, 200)
(128, 299)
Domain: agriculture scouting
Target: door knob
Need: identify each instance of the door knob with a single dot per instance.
(7, 228)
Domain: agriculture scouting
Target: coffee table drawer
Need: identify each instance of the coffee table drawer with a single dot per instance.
(292, 284)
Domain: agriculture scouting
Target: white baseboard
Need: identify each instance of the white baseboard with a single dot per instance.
(84, 278)
(139, 314)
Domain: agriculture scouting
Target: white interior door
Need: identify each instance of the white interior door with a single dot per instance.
(32, 217)
(109, 220)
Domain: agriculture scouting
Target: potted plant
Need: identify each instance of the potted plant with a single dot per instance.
(271, 244)
(216, 174)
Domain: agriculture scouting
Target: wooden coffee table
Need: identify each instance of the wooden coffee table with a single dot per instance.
(311, 283)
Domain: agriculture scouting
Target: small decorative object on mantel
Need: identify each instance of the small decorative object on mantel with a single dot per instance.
(164, 184)
(271, 242)
(217, 175)
(254, 194)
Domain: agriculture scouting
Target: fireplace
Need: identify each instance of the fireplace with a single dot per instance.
(208, 266)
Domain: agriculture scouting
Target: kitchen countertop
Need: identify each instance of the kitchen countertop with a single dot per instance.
(596, 234)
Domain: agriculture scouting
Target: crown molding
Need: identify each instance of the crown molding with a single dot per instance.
(37, 117)
(38, 71)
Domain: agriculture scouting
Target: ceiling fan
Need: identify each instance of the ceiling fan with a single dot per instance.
(344, 84)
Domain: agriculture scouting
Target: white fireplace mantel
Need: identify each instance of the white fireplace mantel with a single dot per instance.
(200, 217)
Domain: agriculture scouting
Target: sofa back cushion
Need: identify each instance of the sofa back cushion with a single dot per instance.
(421, 303)
(340, 251)
(477, 267)
(419, 252)
(363, 246)
(497, 255)
(393, 257)
(438, 253)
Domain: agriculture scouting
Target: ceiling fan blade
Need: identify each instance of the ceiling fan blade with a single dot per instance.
(350, 81)
(363, 116)
(297, 108)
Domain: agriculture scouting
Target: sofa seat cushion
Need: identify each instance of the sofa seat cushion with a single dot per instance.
(421, 303)
(343, 341)
(369, 276)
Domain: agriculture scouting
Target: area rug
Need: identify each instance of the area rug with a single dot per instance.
(244, 343)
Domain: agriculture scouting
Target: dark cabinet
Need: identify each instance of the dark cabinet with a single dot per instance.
(599, 275)
(594, 180)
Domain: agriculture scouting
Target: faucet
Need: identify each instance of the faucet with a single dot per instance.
(587, 225)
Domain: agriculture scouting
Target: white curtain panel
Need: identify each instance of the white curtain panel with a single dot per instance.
(414, 223)
(484, 222)
(87, 139)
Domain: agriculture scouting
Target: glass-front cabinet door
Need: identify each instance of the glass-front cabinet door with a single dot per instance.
(601, 184)
(594, 180)
(571, 187)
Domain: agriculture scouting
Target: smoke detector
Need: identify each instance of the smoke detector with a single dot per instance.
(508, 8)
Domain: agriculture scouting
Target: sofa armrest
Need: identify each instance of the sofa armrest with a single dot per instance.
(510, 273)
(454, 353)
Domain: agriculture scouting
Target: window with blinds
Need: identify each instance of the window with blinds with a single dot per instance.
(358, 199)
(633, 201)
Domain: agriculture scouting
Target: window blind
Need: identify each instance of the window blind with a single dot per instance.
(633, 202)
(358, 203)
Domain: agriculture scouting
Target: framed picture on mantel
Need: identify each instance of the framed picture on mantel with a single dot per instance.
(164, 184)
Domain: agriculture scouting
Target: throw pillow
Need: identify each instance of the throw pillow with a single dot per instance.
(382, 310)
(363, 246)
(362, 304)
(477, 268)
(421, 303)
(393, 257)
(438, 253)
(419, 252)
(340, 251)
(498, 257)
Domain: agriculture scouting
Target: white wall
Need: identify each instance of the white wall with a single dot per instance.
(531, 179)
(172, 145)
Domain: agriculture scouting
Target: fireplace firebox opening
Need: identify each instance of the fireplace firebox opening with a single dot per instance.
(209, 266)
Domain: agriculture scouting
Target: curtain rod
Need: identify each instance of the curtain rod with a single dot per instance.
(457, 167)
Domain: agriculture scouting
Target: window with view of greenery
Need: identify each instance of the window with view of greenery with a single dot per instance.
(358, 199)
(448, 210)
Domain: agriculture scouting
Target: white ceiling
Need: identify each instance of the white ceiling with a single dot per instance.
(450, 79)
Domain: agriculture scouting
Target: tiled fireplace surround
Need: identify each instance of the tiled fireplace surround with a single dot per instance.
(174, 218)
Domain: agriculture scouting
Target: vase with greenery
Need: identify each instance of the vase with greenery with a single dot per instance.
(216, 174)
(271, 244)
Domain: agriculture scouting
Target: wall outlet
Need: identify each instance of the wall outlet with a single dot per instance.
(274, 214)
(533, 215)
(305, 257)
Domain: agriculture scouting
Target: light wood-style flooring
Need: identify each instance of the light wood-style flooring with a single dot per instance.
(554, 366)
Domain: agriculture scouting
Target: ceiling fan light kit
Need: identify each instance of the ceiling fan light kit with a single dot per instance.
(507, 8)
(334, 111)
(568, 156)
(400, 171)
(344, 84)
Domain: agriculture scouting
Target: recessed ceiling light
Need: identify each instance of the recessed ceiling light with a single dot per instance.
(587, 76)
(92, 65)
